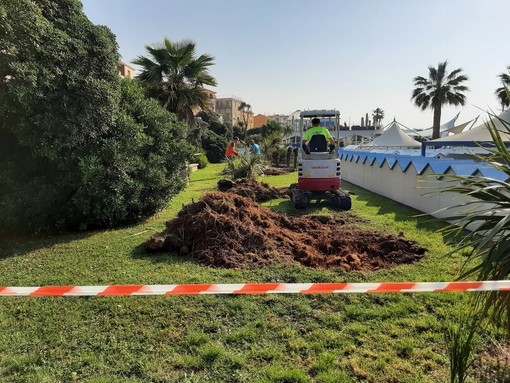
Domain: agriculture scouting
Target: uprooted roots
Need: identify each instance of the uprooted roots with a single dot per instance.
(228, 230)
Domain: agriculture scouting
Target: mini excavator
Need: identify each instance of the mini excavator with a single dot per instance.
(319, 174)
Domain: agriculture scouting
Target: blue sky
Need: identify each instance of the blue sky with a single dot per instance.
(354, 56)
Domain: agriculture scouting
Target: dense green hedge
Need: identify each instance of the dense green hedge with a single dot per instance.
(79, 148)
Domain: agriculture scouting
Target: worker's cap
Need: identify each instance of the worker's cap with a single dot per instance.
(316, 121)
(236, 138)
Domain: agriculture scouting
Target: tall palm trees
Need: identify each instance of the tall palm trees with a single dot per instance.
(501, 93)
(441, 88)
(377, 115)
(173, 75)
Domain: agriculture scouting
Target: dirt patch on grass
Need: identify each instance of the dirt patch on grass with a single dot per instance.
(277, 171)
(231, 231)
(252, 189)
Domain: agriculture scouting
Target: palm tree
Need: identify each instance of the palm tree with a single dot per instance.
(245, 110)
(501, 92)
(288, 130)
(271, 142)
(378, 115)
(173, 75)
(441, 88)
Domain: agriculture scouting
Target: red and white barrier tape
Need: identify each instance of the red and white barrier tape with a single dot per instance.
(255, 288)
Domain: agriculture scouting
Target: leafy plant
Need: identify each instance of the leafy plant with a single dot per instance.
(271, 143)
(201, 159)
(487, 216)
(244, 167)
(461, 339)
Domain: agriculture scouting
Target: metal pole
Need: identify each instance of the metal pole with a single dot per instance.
(300, 131)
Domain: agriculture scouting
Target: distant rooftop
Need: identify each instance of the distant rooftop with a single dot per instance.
(230, 96)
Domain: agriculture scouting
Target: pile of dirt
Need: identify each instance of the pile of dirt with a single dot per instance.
(228, 230)
(277, 171)
(252, 189)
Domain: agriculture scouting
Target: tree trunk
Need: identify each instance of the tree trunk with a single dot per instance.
(437, 122)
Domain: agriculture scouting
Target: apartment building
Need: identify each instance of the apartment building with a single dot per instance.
(228, 108)
(259, 120)
(126, 71)
(280, 118)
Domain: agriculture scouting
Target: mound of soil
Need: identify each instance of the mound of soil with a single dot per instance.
(228, 230)
(252, 189)
(276, 171)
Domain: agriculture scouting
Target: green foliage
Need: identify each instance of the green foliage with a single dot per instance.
(271, 127)
(173, 75)
(271, 143)
(461, 340)
(215, 137)
(214, 146)
(255, 132)
(440, 88)
(201, 159)
(215, 123)
(486, 215)
(238, 131)
(78, 147)
(244, 167)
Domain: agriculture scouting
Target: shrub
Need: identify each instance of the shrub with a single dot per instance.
(201, 159)
(215, 147)
(78, 147)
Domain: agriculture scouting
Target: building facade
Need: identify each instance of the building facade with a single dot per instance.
(212, 99)
(280, 118)
(228, 108)
(259, 120)
(126, 71)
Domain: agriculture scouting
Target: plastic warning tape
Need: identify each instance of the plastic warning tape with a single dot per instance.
(255, 288)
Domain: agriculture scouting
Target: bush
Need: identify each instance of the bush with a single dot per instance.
(215, 123)
(201, 159)
(79, 148)
(215, 147)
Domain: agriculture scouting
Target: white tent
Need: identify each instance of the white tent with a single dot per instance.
(480, 133)
(460, 128)
(447, 126)
(392, 137)
(410, 132)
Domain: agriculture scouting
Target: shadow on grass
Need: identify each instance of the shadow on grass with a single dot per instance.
(15, 244)
(12, 245)
(167, 256)
(401, 212)
(199, 180)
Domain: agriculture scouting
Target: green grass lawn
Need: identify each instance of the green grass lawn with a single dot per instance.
(273, 338)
